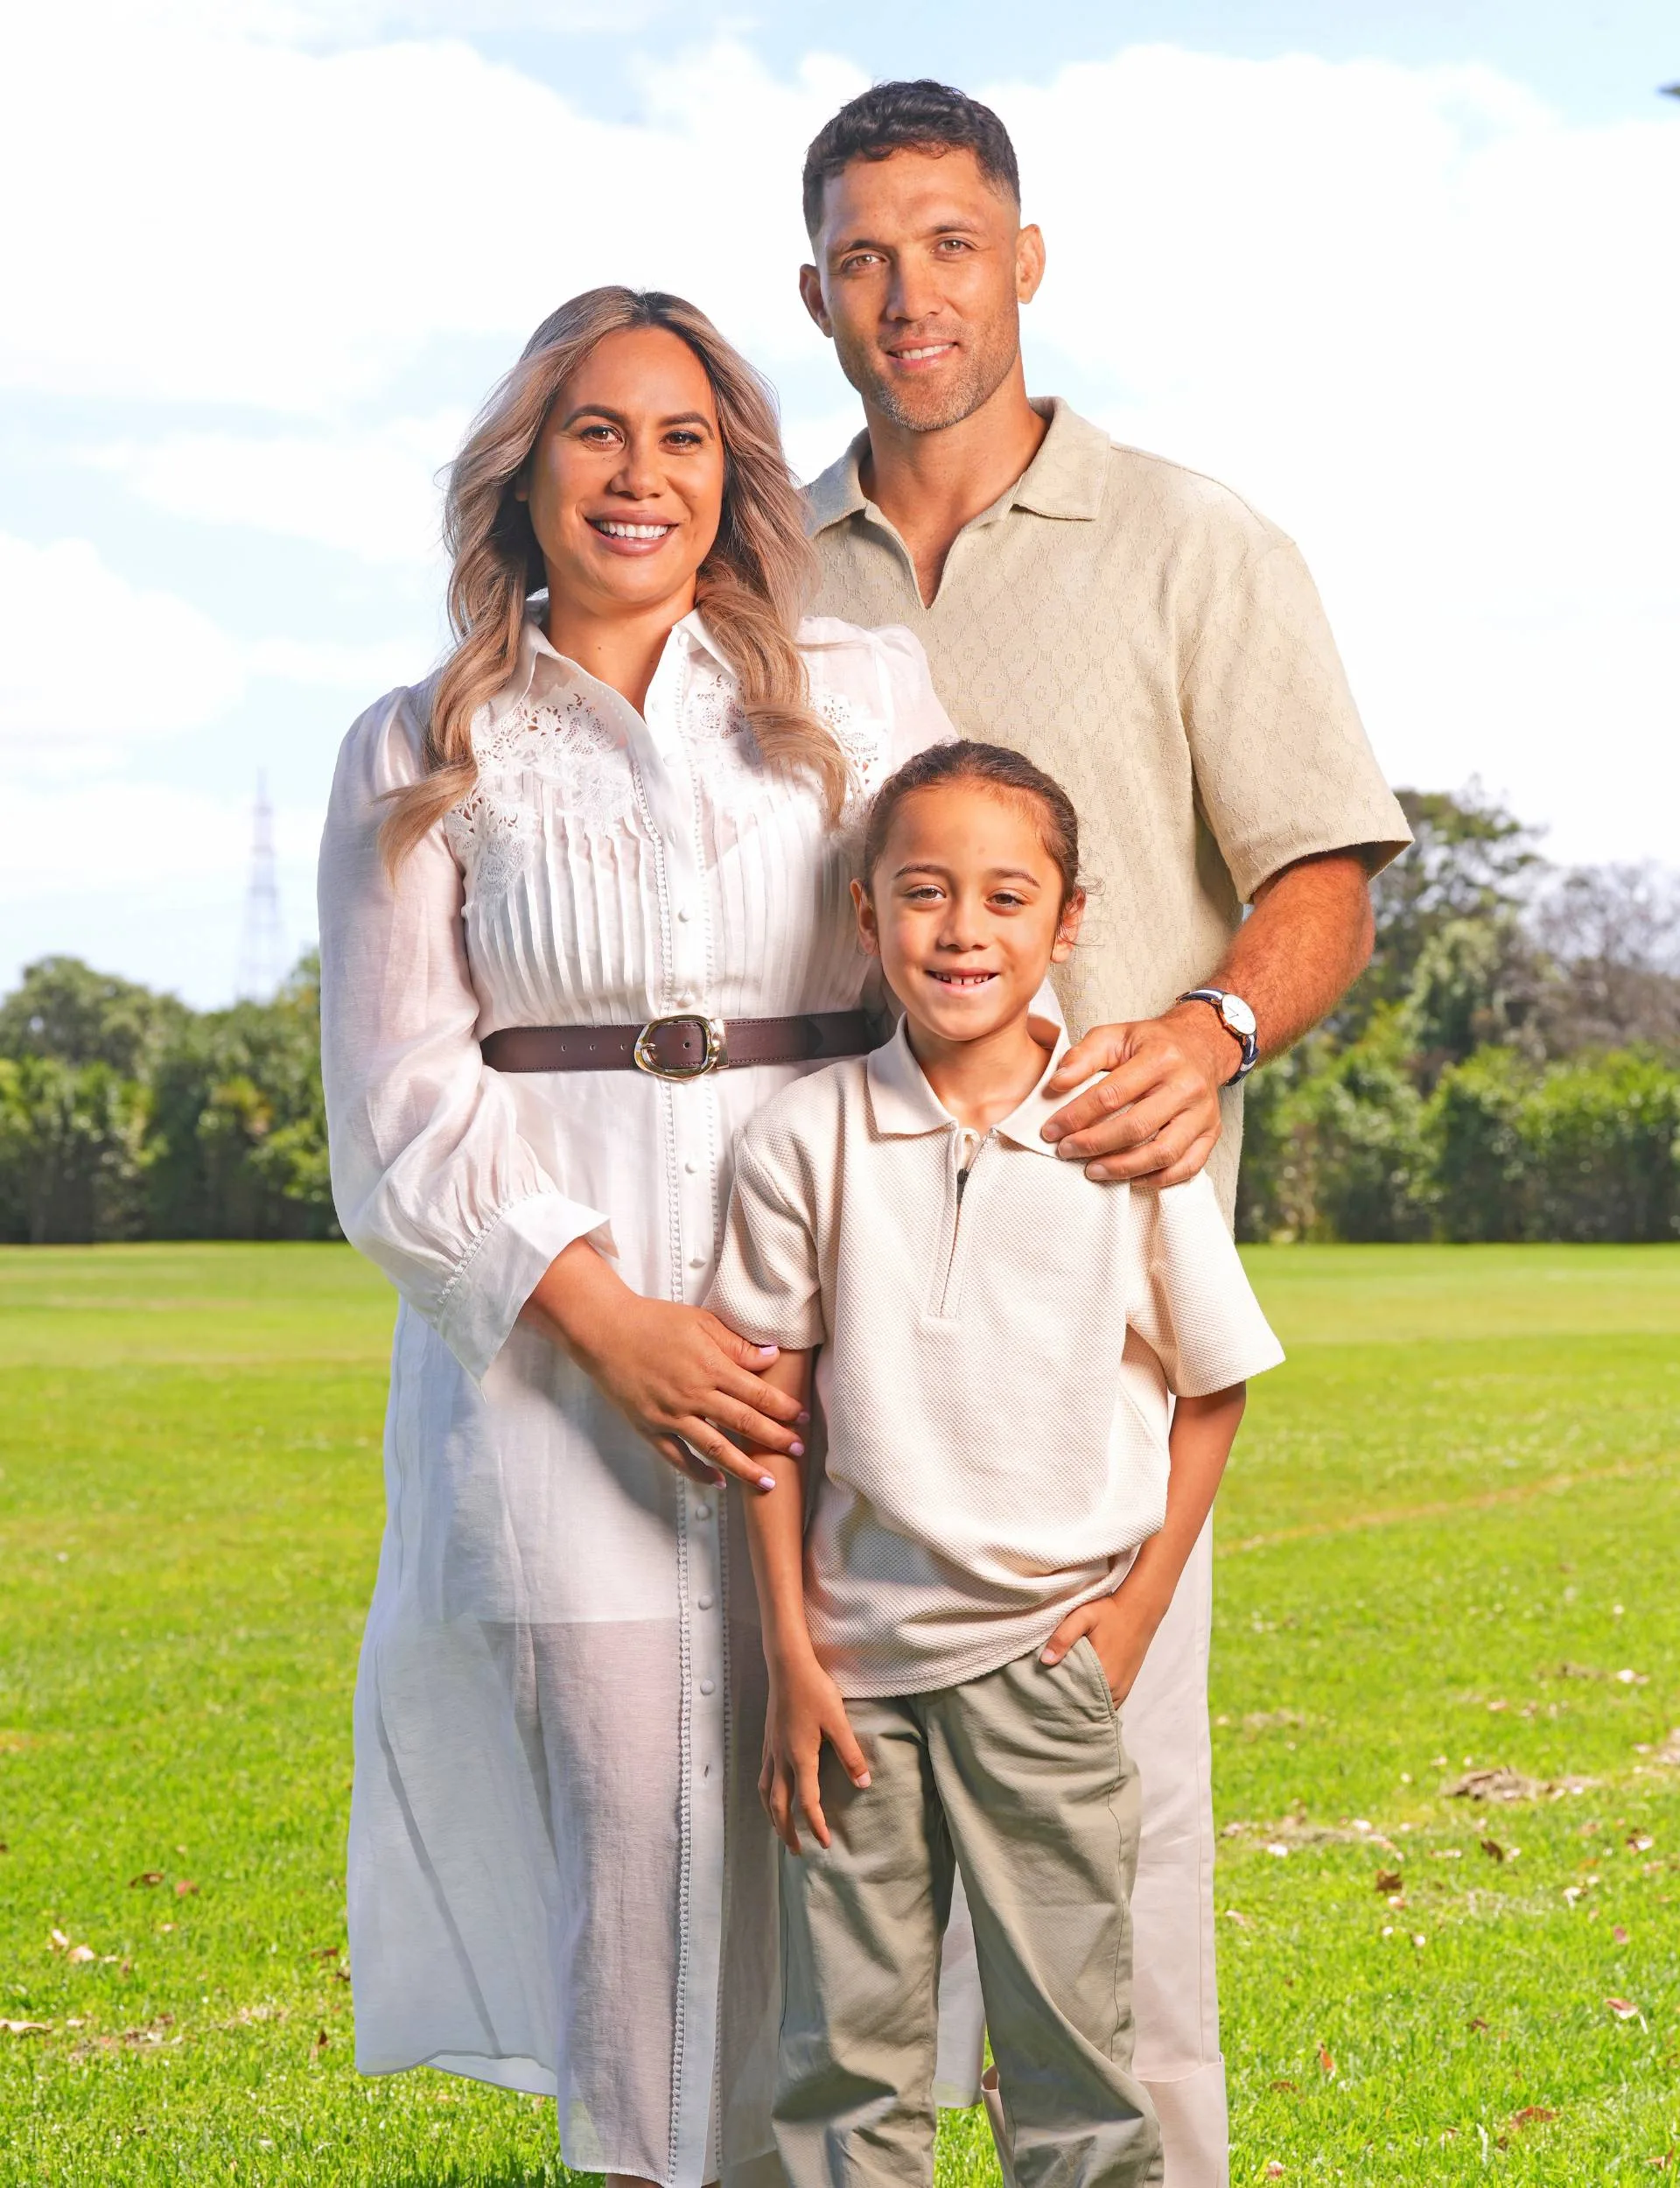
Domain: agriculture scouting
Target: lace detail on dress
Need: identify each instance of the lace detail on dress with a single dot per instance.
(564, 743)
(729, 769)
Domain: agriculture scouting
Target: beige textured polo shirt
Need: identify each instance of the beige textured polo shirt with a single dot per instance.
(998, 1341)
(1143, 634)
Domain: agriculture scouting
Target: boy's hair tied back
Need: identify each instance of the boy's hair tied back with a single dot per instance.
(967, 759)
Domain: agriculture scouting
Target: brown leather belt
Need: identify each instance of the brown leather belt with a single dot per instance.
(681, 1046)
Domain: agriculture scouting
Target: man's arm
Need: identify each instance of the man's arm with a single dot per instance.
(1156, 1114)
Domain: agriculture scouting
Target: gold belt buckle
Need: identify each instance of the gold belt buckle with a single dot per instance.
(715, 1057)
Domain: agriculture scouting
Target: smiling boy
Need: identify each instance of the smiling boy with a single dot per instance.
(998, 1345)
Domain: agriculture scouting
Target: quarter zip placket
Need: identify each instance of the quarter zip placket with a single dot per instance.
(960, 1138)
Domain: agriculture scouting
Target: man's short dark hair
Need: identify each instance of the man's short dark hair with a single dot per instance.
(919, 117)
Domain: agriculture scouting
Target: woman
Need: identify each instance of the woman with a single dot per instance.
(618, 815)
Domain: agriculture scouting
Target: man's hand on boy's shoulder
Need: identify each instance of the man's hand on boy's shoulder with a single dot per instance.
(1156, 1113)
(806, 1708)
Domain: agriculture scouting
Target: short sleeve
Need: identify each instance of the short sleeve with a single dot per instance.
(1283, 766)
(1190, 1299)
(768, 1283)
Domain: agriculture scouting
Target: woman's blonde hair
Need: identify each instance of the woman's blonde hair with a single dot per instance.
(752, 585)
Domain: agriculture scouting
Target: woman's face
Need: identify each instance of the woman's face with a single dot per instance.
(625, 482)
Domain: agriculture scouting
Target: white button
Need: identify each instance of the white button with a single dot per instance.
(685, 996)
(707, 1686)
(691, 1166)
(705, 1602)
(684, 914)
(696, 1260)
(702, 1512)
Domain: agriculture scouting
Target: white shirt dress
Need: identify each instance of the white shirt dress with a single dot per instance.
(559, 1875)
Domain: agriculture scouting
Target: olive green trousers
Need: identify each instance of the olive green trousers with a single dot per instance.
(1021, 1781)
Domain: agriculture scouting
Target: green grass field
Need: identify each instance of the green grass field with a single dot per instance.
(1448, 1543)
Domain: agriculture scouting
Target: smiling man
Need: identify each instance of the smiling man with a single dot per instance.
(1143, 634)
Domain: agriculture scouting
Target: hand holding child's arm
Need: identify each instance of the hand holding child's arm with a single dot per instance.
(805, 1704)
(1122, 1626)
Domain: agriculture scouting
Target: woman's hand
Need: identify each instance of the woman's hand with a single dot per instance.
(805, 1709)
(677, 1374)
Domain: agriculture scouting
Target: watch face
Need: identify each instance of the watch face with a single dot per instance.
(1237, 1016)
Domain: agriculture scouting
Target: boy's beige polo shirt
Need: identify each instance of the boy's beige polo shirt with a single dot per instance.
(995, 1360)
(1139, 632)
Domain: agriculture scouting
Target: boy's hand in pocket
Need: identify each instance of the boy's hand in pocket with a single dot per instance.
(806, 1708)
(1121, 1627)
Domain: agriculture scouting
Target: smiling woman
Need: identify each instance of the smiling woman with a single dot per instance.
(583, 908)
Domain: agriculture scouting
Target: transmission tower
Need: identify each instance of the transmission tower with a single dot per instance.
(260, 948)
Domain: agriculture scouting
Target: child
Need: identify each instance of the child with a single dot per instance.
(1001, 1516)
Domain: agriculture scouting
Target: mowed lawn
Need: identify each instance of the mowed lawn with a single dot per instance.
(1449, 1544)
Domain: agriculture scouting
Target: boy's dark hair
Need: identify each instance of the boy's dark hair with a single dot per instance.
(918, 116)
(968, 760)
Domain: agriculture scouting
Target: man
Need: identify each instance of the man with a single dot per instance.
(1145, 636)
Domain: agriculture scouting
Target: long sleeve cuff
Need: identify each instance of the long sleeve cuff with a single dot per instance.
(482, 1300)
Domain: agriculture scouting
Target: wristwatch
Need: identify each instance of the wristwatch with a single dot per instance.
(1237, 1020)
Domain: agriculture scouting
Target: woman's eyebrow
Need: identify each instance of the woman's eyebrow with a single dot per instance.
(618, 417)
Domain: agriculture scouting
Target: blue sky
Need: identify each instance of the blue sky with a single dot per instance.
(1400, 274)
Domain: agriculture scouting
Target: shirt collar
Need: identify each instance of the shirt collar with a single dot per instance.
(540, 667)
(905, 1106)
(1064, 480)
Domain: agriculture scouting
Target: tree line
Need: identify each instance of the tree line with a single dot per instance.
(1508, 1067)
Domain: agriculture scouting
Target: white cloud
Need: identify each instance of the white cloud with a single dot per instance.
(371, 492)
(85, 655)
(149, 837)
(1425, 324)
(90, 661)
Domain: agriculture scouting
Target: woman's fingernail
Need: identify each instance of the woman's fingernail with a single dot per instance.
(767, 1481)
(1052, 1132)
(797, 1450)
(801, 1418)
(862, 1779)
(1047, 1656)
(766, 1348)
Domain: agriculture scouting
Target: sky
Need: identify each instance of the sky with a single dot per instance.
(1403, 275)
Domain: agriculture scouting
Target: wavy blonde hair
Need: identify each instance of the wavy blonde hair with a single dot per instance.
(750, 589)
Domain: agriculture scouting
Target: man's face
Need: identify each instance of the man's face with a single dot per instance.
(921, 269)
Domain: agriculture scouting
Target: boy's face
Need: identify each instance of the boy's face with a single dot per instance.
(964, 909)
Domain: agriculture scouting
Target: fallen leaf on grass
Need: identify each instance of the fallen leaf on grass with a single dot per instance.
(1242, 1921)
(1664, 2163)
(1638, 1842)
(322, 2041)
(1624, 2008)
(184, 1887)
(1325, 2063)
(1278, 1848)
(146, 1877)
(56, 1941)
(1620, 1934)
(1274, 2170)
(325, 1953)
(1389, 1880)
(27, 2027)
(79, 1955)
(1479, 2023)
(1492, 1849)
(1284, 2085)
(340, 1974)
(1532, 2116)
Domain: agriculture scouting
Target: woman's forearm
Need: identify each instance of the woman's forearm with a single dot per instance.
(775, 1531)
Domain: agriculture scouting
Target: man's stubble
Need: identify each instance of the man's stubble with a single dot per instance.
(988, 357)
